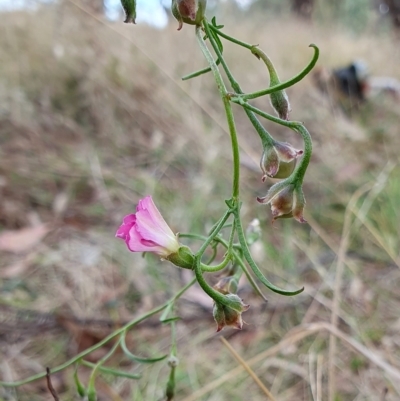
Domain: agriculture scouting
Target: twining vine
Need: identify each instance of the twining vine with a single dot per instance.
(146, 230)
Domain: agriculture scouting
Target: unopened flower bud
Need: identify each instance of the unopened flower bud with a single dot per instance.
(280, 103)
(279, 160)
(173, 361)
(187, 8)
(188, 11)
(227, 285)
(279, 99)
(286, 200)
(230, 316)
(129, 7)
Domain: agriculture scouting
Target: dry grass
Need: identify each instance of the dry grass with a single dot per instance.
(93, 116)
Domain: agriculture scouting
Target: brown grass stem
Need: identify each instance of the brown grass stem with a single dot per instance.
(297, 334)
(248, 369)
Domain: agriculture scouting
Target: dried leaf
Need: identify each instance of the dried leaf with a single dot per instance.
(19, 241)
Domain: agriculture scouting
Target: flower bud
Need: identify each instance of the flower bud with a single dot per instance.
(129, 7)
(279, 99)
(187, 8)
(173, 361)
(230, 315)
(280, 102)
(279, 160)
(188, 11)
(227, 285)
(286, 200)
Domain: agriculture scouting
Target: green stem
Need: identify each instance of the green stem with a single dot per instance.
(252, 264)
(298, 174)
(216, 229)
(231, 39)
(215, 295)
(134, 357)
(102, 342)
(265, 136)
(92, 377)
(216, 268)
(113, 372)
(274, 79)
(305, 160)
(247, 106)
(228, 110)
(288, 83)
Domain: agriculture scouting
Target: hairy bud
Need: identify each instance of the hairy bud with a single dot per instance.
(188, 11)
(279, 99)
(286, 200)
(279, 160)
(230, 316)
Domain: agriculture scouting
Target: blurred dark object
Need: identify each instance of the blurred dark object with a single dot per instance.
(351, 85)
(352, 80)
(303, 8)
(347, 86)
(392, 8)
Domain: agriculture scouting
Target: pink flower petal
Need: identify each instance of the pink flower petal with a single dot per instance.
(147, 231)
(128, 222)
(154, 214)
(137, 244)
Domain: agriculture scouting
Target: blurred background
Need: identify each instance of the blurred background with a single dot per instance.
(94, 116)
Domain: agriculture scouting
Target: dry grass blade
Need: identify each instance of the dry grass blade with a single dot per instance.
(344, 243)
(297, 335)
(248, 369)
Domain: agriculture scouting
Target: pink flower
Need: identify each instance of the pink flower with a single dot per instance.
(147, 231)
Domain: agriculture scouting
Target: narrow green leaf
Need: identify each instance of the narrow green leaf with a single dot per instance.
(137, 358)
(114, 372)
(171, 319)
(79, 386)
(253, 265)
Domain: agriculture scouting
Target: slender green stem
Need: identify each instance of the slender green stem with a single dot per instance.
(215, 295)
(134, 357)
(232, 237)
(198, 73)
(230, 38)
(288, 83)
(301, 169)
(213, 256)
(110, 371)
(217, 50)
(92, 377)
(214, 233)
(102, 342)
(218, 267)
(265, 136)
(247, 106)
(249, 277)
(273, 75)
(252, 264)
(194, 236)
(296, 126)
(228, 111)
